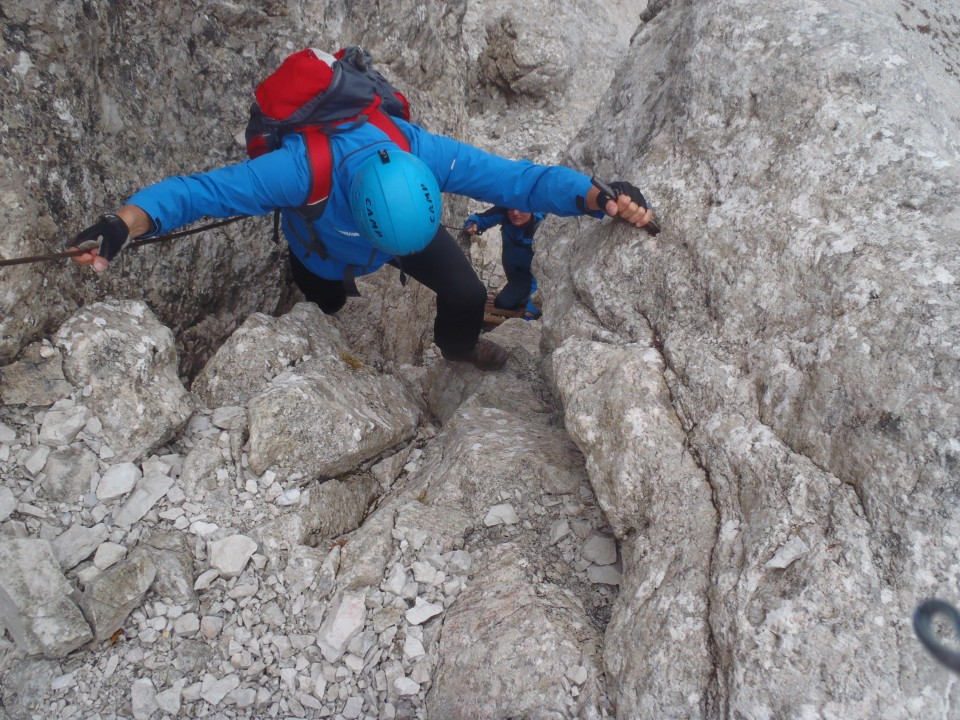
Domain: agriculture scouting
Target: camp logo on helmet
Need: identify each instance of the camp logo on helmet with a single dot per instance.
(430, 208)
(371, 220)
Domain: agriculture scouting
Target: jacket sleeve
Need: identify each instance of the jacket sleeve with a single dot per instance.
(488, 218)
(255, 187)
(465, 170)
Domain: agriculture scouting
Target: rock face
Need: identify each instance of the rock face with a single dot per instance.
(713, 481)
(659, 501)
(803, 300)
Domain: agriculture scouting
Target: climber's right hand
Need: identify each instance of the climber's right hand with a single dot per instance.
(100, 242)
(625, 202)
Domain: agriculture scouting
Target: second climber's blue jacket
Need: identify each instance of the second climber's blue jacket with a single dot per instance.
(281, 179)
(517, 250)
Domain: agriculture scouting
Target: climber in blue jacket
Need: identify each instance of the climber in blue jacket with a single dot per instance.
(516, 254)
(361, 230)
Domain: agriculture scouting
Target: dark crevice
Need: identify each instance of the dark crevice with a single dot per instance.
(654, 8)
(714, 695)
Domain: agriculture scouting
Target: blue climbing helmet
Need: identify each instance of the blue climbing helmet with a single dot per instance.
(396, 202)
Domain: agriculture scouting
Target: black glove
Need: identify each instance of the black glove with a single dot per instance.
(621, 187)
(614, 190)
(108, 236)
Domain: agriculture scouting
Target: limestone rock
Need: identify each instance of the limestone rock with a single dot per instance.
(118, 480)
(390, 322)
(128, 360)
(77, 543)
(343, 621)
(506, 645)
(68, 473)
(34, 379)
(61, 425)
(111, 597)
(353, 416)
(258, 351)
(365, 556)
(337, 506)
(172, 555)
(523, 59)
(502, 514)
(26, 685)
(108, 554)
(145, 495)
(35, 600)
(518, 388)
(200, 466)
(619, 411)
(489, 449)
(796, 343)
(231, 554)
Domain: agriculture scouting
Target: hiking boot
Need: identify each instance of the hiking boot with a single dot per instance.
(486, 355)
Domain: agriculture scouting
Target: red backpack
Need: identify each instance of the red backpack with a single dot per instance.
(315, 94)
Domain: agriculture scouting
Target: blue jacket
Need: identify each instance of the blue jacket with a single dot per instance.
(510, 233)
(281, 179)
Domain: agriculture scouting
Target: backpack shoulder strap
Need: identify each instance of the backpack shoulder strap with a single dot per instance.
(321, 168)
(383, 122)
(320, 162)
(320, 158)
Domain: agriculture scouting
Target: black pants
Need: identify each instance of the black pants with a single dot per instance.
(442, 267)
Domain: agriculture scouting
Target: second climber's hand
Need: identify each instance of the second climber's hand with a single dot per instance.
(624, 201)
(468, 233)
